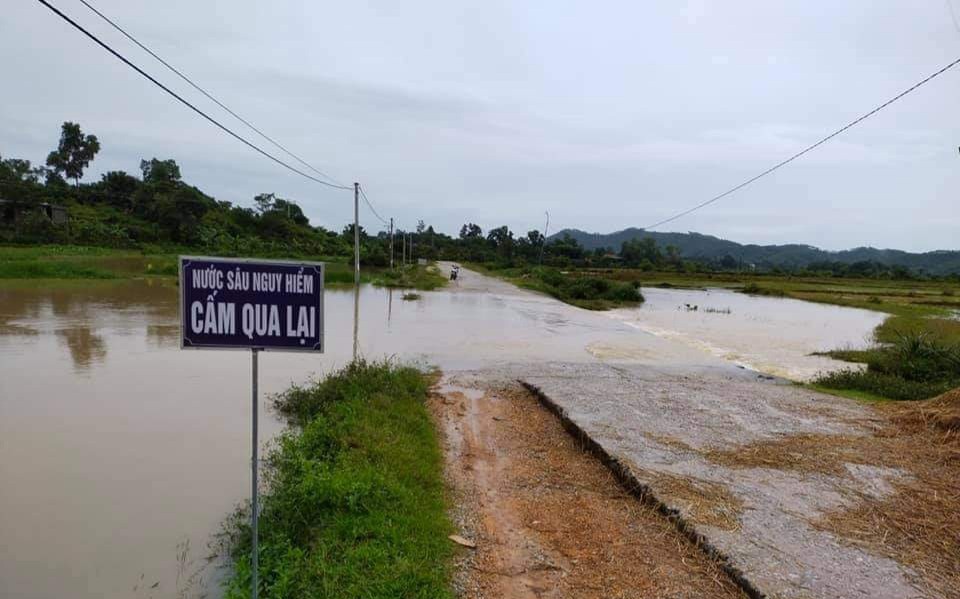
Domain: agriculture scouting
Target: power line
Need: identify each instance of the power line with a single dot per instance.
(805, 150)
(185, 102)
(207, 94)
(370, 206)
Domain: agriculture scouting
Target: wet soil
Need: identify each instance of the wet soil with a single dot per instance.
(549, 520)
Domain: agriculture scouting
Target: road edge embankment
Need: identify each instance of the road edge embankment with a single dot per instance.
(631, 484)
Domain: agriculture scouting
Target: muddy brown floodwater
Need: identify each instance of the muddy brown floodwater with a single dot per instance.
(120, 454)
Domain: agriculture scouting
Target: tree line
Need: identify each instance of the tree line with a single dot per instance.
(158, 207)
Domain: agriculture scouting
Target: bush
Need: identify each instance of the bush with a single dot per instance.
(587, 289)
(883, 385)
(919, 357)
(915, 366)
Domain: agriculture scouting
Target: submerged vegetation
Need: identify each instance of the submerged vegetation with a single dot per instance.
(354, 505)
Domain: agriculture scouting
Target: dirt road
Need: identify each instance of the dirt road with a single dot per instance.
(547, 519)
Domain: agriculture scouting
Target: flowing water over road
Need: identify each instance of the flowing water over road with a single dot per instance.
(120, 454)
(771, 335)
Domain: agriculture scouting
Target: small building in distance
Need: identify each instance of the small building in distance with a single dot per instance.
(12, 211)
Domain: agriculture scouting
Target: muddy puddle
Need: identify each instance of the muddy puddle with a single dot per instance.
(120, 454)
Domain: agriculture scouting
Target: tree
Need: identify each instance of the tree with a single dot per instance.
(471, 231)
(499, 237)
(16, 169)
(118, 189)
(728, 262)
(290, 211)
(348, 233)
(673, 254)
(74, 152)
(635, 251)
(19, 181)
(160, 171)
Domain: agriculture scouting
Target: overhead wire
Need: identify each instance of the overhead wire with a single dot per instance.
(370, 206)
(337, 185)
(186, 103)
(206, 93)
(805, 150)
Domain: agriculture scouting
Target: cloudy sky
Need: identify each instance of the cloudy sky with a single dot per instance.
(607, 114)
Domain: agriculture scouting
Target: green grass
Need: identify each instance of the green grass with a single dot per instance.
(864, 396)
(355, 504)
(754, 289)
(914, 366)
(35, 269)
(64, 262)
(425, 278)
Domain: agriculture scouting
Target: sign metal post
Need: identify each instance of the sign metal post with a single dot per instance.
(258, 305)
(254, 467)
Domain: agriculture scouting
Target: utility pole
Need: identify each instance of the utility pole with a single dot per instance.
(544, 242)
(403, 245)
(356, 234)
(391, 243)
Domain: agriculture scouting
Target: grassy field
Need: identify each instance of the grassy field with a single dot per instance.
(591, 292)
(355, 502)
(63, 262)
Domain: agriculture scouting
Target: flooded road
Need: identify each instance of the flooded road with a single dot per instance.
(120, 454)
(771, 335)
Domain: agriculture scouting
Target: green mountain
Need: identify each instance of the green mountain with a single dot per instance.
(696, 246)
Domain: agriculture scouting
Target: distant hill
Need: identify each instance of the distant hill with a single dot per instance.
(697, 246)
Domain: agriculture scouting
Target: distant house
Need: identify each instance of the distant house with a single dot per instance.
(610, 259)
(11, 211)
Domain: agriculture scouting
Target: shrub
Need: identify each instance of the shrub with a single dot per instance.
(883, 385)
(914, 366)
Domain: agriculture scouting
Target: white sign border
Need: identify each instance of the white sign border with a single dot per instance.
(308, 350)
